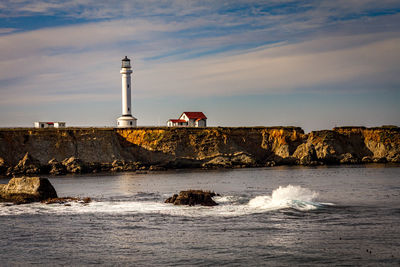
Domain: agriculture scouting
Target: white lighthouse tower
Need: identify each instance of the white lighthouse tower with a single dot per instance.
(126, 120)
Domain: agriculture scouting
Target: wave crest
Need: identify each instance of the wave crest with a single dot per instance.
(291, 196)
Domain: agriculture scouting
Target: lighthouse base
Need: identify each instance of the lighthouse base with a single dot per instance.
(126, 121)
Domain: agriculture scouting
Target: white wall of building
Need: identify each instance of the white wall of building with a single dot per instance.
(126, 120)
(189, 122)
(183, 117)
(126, 92)
(59, 124)
(201, 123)
(46, 124)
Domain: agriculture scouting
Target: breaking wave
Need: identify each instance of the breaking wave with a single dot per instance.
(295, 197)
(289, 197)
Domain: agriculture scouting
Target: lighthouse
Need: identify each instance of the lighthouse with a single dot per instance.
(126, 120)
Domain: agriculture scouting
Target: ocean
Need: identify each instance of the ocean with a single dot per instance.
(279, 216)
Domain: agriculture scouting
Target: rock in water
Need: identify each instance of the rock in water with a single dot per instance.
(193, 197)
(26, 190)
(66, 200)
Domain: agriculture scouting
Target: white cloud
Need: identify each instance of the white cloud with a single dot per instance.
(277, 70)
(281, 68)
(197, 48)
(40, 7)
(6, 30)
(238, 9)
(84, 59)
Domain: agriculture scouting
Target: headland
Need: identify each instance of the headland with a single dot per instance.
(31, 151)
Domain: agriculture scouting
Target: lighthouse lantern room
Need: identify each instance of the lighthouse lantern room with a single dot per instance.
(126, 120)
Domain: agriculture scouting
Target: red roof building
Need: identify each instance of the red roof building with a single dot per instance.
(191, 119)
(177, 121)
(194, 115)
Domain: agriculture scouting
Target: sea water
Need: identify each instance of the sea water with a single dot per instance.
(347, 215)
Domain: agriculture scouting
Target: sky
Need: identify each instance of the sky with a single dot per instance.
(313, 64)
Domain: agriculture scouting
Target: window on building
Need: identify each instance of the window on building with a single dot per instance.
(128, 85)
(42, 125)
(130, 123)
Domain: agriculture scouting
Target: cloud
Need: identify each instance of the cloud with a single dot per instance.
(268, 48)
(281, 69)
(7, 30)
(178, 9)
(61, 57)
(361, 62)
(40, 7)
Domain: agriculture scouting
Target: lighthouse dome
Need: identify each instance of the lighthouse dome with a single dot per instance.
(126, 62)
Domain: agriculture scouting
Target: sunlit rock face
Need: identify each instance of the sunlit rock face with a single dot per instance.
(77, 150)
(26, 190)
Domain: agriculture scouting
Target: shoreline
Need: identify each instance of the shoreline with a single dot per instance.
(59, 151)
(200, 170)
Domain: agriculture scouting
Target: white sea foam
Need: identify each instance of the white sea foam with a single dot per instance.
(295, 197)
(226, 199)
(291, 196)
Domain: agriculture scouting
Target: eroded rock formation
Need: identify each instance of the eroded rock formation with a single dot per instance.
(27, 165)
(78, 150)
(26, 190)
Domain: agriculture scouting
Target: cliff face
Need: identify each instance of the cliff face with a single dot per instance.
(357, 144)
(209, 143)
(97, 149)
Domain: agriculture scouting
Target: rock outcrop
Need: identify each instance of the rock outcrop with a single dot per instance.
(306, 154)
(73, 165)
(27, 165)
(26, 190)
(79, 150)
(56, 167)
(192, 198)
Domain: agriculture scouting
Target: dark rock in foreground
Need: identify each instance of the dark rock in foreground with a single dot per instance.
(26, 190)
(193, 197)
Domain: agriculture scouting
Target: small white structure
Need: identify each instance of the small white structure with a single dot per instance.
(42, 124)
(126, 120)
(190, 119)
(176, 122)
(59, 124)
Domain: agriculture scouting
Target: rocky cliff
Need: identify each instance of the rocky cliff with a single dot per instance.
(71, 150)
